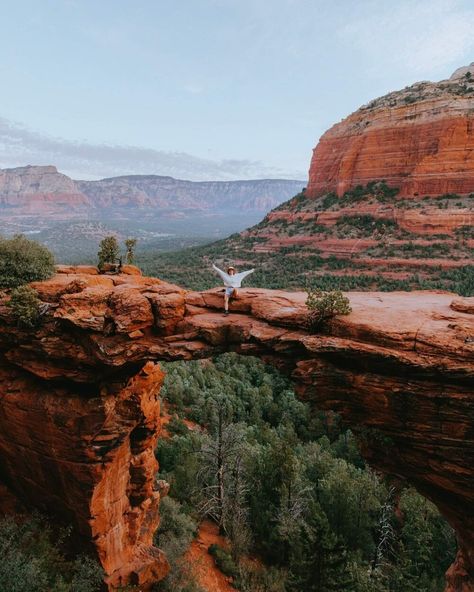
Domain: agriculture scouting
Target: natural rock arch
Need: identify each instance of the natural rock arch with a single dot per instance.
(79, 412)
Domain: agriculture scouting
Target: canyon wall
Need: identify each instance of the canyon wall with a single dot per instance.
(166, 192)
(79, 411)
(419, 139)
(45, 191)
(39, 189)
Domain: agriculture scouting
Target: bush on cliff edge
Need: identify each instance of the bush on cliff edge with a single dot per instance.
(324, 306)
(23, 261)
(108, 251)
(25, 307)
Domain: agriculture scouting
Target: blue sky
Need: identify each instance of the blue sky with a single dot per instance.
(207, 89)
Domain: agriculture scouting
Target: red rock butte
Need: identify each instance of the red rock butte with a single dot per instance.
(80, 414)
(419, 139)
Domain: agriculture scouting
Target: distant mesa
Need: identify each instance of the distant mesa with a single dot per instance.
(33, 189)
(43, 190)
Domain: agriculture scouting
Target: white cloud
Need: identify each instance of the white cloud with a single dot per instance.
(423, 37)
(20, 146)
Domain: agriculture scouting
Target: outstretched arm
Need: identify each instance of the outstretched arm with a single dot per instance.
(223, 274)
(243, 274)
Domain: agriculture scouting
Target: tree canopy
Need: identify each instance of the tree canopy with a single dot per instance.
(287, 484)
(23, 261)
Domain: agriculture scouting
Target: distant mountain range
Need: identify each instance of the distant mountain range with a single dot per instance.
(43, 190)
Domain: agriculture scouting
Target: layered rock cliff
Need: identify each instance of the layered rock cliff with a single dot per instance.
(33, 189)
(79, 409)
(43, 190)
(419, 139)
(165, 192)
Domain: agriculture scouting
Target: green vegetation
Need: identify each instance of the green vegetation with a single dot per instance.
(412, 250)
(176, 531)
(365, 226)
(330, 200)
(23, 261)
(224, 561)
(324, 306)
(25, 306)
(465, 232)
(33, 561)
(290, 487)
(374, 191)
(377, 189)
(130, 244)
(293, 266)
(108, 251)
(460, 280)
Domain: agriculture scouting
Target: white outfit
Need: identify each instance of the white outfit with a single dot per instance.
(232, 281)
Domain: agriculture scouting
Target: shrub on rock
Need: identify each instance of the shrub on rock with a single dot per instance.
(23, 261)
(324, 306)
(25, 306)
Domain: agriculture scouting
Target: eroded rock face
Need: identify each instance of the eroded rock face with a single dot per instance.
(43, 190)
(39, 189)
(166, 192)
(79, 410)
(85, 455)
(419, 139)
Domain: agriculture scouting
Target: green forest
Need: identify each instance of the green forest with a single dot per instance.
(287, 486)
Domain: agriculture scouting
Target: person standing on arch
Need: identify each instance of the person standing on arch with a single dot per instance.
(232, 281)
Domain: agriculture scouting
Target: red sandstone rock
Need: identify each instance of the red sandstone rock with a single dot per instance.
(418, 139)
(34, 189)
(130, 270)
(457, 576)
(463, 305)
(82, 269)
(129, 310)
(82, 446)
(90, 462)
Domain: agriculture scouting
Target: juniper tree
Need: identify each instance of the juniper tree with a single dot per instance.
(23, 261)
(130, 245)
(108, 251)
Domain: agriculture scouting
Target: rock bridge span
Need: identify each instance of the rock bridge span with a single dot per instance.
(79, 397)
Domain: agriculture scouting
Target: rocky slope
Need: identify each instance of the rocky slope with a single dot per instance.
(43, 190)
(79, 412)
